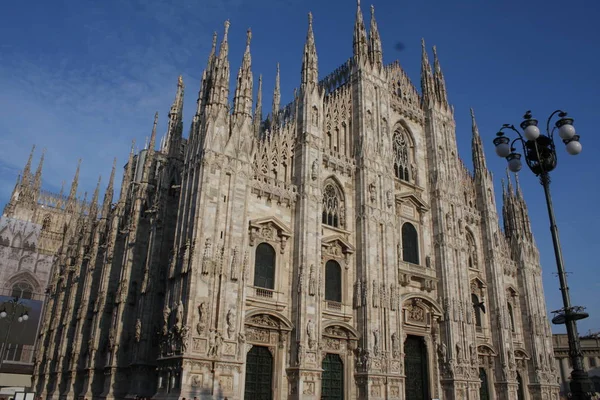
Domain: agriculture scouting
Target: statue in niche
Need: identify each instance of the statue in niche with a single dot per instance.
(184, 336)
(390, 201)
(310, 331)
(314, 174)
(376, 342)
(202, 316)
(179, 315)
(241, 342)
(214, 342)
(428, 261)
(373, 192)
(138, 330)
(442, 352)
(413, 172)
(315, 116)
(166, 315)
(234, 265)
(395, 345)
(375, 294)
(230, 323)
(473, 349)
(300, 278)
(449, 223)
(312, 281)
(458, 352)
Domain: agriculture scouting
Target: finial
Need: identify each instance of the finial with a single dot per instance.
(227, 23)
(358, 3)
(434, 51)
(423, 44)
(132, 147)
(372, 9)
(310, 19)
(179, 81)
(472, 114)
(277, 68)
(156, 114)
(214, 42)
(248, 36)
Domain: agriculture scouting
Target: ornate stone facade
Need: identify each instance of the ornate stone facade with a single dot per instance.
(339, 245)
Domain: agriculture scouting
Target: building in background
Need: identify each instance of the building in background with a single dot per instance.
(338, 248)
(590, 345)
(31, 231)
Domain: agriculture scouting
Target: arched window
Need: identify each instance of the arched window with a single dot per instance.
(333, 281)
(471, 251)
(476, 309)
(410, 244)
(333, 206)
(22, 290)
(401, 156)
(264, 266)
(511, 316)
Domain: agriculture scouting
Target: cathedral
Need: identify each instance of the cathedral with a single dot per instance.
(333, 248)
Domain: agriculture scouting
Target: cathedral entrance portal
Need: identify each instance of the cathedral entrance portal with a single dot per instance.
(332, 383)
(415, 364)
(259, 374)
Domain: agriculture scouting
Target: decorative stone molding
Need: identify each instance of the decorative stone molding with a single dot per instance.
(270, 229)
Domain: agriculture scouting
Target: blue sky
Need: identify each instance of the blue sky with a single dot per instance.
(83, 78)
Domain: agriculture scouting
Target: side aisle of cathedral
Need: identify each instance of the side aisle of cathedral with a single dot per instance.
(336, 249)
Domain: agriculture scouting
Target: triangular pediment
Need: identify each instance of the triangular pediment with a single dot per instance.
(414, 199)
(282, 228)
(338, 240)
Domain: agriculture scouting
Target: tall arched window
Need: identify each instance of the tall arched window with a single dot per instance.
(22, 290)
(333, 206)
(476, 309)
(333, 281)
(264, 266)
(511, 316)
(401, 155)
(410, 244)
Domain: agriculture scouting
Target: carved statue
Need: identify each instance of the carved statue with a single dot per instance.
(376, 342)
(299, 353)
(473, 350)
(312, 281)
(234, 265)
(390, 201)
(230, 323)
(373, 192)
(300, 278)
(314, 173)
(442, 352)
(202, 316)
(428, 261)
(375, 294)
(310, 331)
(357, 294)
(241, 342)
(214, 343)
(184, 337)
(395, 345)
(458, 352)
(166, 315)
(179, 315)
(138, 330)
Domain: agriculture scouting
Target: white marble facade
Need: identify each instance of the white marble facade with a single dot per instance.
(336, 249)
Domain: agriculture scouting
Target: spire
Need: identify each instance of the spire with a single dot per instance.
(37, 181)
(27, 170)
(438, 76)
(375, 50)
(175, 128)
(75, 183)
(243, 91)
(110, 189)
(127, 176)
(219, 88)
(479, 164)
(427, 86)
(518, 188)
(94, 204)
(359, 41)
(276, 99)
(207, 78)
(310, 69)
(150, 154)
(258, 108)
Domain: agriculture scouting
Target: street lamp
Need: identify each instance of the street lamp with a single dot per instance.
(13, 306)
(540, 155)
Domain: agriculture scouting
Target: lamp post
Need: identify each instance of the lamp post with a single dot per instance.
(540, 155)
(10, 315)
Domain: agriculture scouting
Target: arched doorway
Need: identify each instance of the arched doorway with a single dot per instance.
(259, 374)
(332, 381)
(484, 393)
(416, 369)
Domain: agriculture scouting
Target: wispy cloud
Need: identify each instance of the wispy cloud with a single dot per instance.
(90, 97)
